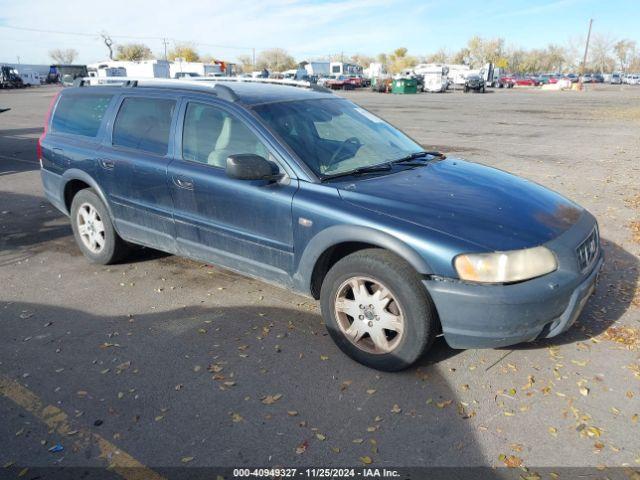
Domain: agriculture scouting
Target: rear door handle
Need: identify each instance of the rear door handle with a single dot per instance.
(183, 182)
(106, 164)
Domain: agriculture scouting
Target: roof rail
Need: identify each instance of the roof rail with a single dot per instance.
(272, 81)
(203, 83)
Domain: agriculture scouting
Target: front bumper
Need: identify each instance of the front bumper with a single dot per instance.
(490, 316)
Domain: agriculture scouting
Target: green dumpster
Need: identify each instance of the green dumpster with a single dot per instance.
(404, 85)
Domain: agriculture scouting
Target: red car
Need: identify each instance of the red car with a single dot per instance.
(337, 82)
(506, 81)
(355, 81)
(525, 82)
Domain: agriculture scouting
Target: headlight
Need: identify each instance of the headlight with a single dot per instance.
(505, 267)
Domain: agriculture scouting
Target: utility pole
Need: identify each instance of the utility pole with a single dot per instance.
(165, 42)
(253, 62)
(586, 48)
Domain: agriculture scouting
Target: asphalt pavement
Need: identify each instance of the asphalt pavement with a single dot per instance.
(160, 362)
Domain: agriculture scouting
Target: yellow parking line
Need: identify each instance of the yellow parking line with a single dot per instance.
(118, 460)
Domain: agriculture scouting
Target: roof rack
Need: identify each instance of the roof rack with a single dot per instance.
(203, 83)
(272, 81)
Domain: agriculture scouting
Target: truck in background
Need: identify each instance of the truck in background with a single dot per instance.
(9, 78)
(66, 74)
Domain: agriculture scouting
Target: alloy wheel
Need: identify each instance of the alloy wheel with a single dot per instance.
(91, 228)
(369, 315)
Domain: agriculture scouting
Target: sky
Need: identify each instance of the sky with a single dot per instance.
(305, 28)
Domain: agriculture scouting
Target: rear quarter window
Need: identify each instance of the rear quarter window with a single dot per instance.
(144, 124)
(80, 114)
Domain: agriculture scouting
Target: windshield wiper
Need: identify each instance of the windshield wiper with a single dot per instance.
(385, 167)
(416, 155)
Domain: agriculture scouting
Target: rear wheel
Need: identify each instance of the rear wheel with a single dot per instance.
(93, 230)
(377, 310)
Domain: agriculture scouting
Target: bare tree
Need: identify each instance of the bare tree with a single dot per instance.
(276, 60)
(63, 56)
(246, 63)
(574, 50)
(625, 51)
(483, 50)
(440, 56)
(186, 51)
(601, 52)
(134, 52)
(108, 42)
(461, 57)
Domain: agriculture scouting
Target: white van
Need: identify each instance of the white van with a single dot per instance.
(30, 78)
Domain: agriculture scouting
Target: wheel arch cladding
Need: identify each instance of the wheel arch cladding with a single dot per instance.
(334, 243)
(76, 180)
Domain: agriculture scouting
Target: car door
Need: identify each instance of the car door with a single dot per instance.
(244, 225)
(133, 165)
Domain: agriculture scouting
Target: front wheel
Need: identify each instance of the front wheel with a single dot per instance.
(377, 310)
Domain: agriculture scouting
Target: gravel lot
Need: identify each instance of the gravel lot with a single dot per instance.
(179, 363)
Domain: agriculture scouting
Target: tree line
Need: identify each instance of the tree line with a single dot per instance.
(606, 54)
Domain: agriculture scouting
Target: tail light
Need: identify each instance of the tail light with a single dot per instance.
(46, 127)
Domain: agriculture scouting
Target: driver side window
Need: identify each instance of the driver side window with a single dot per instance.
(210, 135)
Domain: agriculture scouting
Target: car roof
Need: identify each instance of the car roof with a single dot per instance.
(247, 93)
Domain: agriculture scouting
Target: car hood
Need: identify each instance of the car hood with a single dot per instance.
(487, 207)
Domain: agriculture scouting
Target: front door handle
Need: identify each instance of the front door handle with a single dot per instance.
(183, 182)
(106, 164)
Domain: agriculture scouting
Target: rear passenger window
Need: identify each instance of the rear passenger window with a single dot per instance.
(144, 124)
(80, 114)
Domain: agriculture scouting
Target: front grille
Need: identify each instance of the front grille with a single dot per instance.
(587, 251)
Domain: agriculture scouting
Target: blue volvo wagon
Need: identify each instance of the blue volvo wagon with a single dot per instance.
(309, 191)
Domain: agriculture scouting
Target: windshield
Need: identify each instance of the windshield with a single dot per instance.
(335, 136)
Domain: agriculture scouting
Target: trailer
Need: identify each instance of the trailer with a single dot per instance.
(435, 76)
(320, 69)
(141, 69)
(341, 68)
(458, 74)
(180, 68)
(30, 78)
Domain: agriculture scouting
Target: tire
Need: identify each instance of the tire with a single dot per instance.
(466, 89)
(406, 304)
(111, 247)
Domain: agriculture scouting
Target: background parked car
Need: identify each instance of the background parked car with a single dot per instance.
(506, 81)
(572, 77)
(525, 82)
(587, 78)
(474, 82)
(616, 79)
(547, 78)
(337, 82)
(597, 78)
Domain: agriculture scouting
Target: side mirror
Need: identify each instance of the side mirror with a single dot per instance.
(248, 166)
